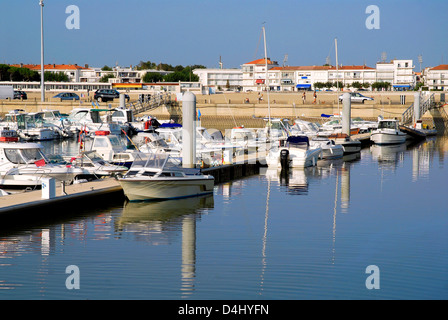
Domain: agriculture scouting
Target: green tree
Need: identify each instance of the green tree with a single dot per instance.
(106, 68)
(106, 77)
(152, 77)
(356, 85)
(55, 77)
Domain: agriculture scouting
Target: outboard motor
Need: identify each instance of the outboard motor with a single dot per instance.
(284, 159)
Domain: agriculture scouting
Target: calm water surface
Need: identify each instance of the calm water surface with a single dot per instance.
(308, 235)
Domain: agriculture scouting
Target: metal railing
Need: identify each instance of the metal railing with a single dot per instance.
(408, 115)
(147, 104)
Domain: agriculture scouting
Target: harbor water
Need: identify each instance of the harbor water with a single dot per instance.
(313, 233)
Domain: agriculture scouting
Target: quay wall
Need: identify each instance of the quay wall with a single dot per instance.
(226, 110)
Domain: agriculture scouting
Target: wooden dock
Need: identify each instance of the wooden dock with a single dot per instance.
(75, 195)
(82, 195)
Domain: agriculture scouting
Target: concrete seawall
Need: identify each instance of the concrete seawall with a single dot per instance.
(227, 110)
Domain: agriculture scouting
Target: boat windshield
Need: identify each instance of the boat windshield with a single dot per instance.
(387, 125)
(52, 114)
(24, 156)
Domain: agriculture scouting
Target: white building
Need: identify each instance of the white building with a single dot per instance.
(254, 74)
(437, 78)
(399, 73)
(350, 74)
(296, 78)
(226, 79)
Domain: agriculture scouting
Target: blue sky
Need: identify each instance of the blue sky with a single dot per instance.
(181, 32)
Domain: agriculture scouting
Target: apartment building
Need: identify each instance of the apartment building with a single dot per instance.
(226, 79)
(254, 74)
(437, 78)
(399, 73)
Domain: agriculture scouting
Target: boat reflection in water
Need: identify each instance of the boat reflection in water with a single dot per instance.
(388, 153)
(156, 220)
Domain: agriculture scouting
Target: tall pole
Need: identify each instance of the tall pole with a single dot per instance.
(337, 70)
(42, 83)
(266, 76)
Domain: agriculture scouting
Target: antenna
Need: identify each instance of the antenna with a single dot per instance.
(383, 56)
(220, 62)
(328, 61)
(285, 59)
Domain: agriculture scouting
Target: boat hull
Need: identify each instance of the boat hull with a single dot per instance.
(333, 152)
(137, 189)
(297, 158)
(388, 138)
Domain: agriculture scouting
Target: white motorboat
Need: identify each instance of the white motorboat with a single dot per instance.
(27, 128)
(56, 119)
(364, 126)
(330, 150)
(350, 146)
(28, 159)
(111, 149)
(95, 165)
(157, 178)
(334, 126)
(388, 132)
(89, 120)
(304, 128)
(297, 153)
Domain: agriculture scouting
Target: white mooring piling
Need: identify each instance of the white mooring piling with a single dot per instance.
(122, 100)
(417, 111)
(346, 113)
(188, 130)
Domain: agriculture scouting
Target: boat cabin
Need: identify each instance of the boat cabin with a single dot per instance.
(156, 166)
(388, 124)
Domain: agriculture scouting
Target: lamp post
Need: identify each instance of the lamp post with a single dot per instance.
(42, 84)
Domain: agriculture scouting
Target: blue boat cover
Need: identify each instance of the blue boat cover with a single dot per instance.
(170, 125)
(323, 115)
(298, 140)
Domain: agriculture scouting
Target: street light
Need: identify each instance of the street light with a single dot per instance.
(42, 84)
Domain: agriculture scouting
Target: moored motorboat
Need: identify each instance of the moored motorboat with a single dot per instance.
(330, 150)
(155, 177)
(349, 145)
(28, 161)
(297, 153)
(388, 132)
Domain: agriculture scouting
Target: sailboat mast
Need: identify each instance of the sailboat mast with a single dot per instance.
(266, 76)
(337, 70)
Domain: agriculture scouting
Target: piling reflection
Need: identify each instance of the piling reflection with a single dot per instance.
(155, 221)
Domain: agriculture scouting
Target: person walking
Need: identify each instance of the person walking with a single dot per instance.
(303, 97)
(315, 97)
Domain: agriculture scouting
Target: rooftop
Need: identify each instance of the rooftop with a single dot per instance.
(440, 67)
(262, 61)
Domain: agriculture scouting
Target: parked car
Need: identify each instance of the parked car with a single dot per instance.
(356, 97)
(67, 96)
(104, 95)
(20, 95)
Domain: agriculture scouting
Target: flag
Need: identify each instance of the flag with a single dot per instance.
(39, 163)
(199, 115)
